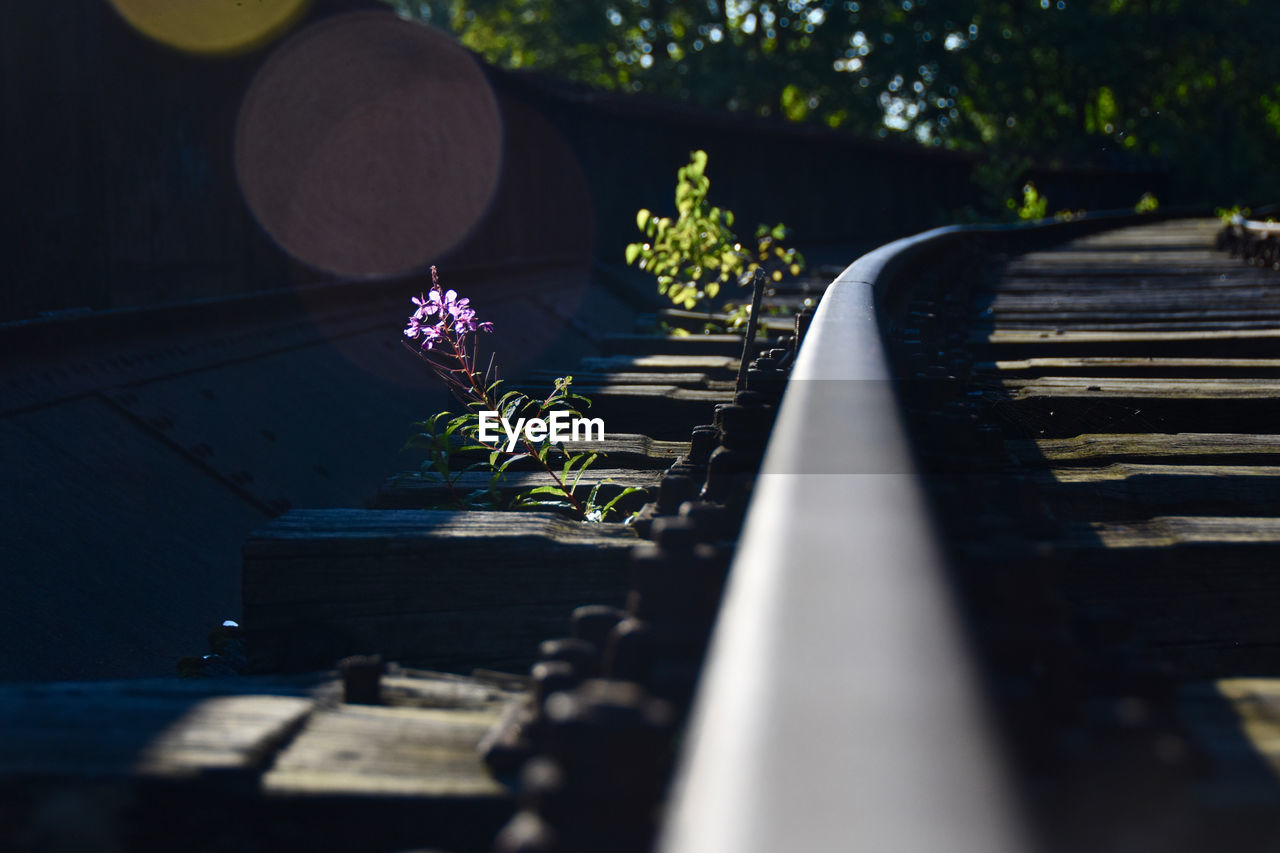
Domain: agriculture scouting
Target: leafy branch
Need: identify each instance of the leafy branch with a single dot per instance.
(696, 254)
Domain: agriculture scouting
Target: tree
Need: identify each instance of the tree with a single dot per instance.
(1180, 83)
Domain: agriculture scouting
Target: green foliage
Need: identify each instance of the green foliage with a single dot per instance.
(442, 331)
(453, 448)
(1148, 203)
(697, 253)
(996, 180)
(448, 440)
(1077, 80)
(1229, 214)
(1034, 205)
(593, 506)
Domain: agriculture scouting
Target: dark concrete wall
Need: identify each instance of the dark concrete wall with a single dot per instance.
(120, 188)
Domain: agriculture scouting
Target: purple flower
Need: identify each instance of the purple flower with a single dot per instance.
(456, 317)
(431, 334)
(465, 320)
(426, 305)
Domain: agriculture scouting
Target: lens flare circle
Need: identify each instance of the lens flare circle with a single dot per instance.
(368, 146)
(211, 27)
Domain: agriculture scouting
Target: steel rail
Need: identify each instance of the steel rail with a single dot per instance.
(1251, 240)
(839, 708)
(1257, 226)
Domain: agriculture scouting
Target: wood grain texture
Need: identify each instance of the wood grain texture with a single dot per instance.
(251, 763)
(1125, 490)
(704, 345)
(1235, 724)
(1144, 388)
(420, 743)
(617, 450)
(694, 321)
(159, 729)
(398, 752)
(716, 366)
(541, 379)
(1174, 532)
(661, 410)
(1195, 448)
(1010, 343)
(1100, 366)
(413, 491)
(430, 587)
(1141, 366)
(1061, 409)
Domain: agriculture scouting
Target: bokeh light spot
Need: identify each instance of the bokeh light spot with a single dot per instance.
(368, 145)
(211, 27)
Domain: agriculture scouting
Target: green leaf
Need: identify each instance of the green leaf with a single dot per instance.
(698, 163)
(642, 218)
(582, 470)
(684, 200)
(421, 441)
(537, 504)
(510, 403)
(544, 490)
(508, 462)
(633, 252)
(629, 490)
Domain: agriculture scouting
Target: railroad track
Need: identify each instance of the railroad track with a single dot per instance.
(1090, 428)
(1116, 551)
(292, 750)
(1002, 583)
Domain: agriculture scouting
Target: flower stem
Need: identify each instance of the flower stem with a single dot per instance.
(482, 396)
(456, 321)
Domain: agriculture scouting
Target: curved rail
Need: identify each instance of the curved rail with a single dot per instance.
(1252, 240)
(839, 708)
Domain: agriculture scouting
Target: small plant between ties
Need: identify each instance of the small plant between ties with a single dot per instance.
(442, 332)
(695, 255)
(1034, 205)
